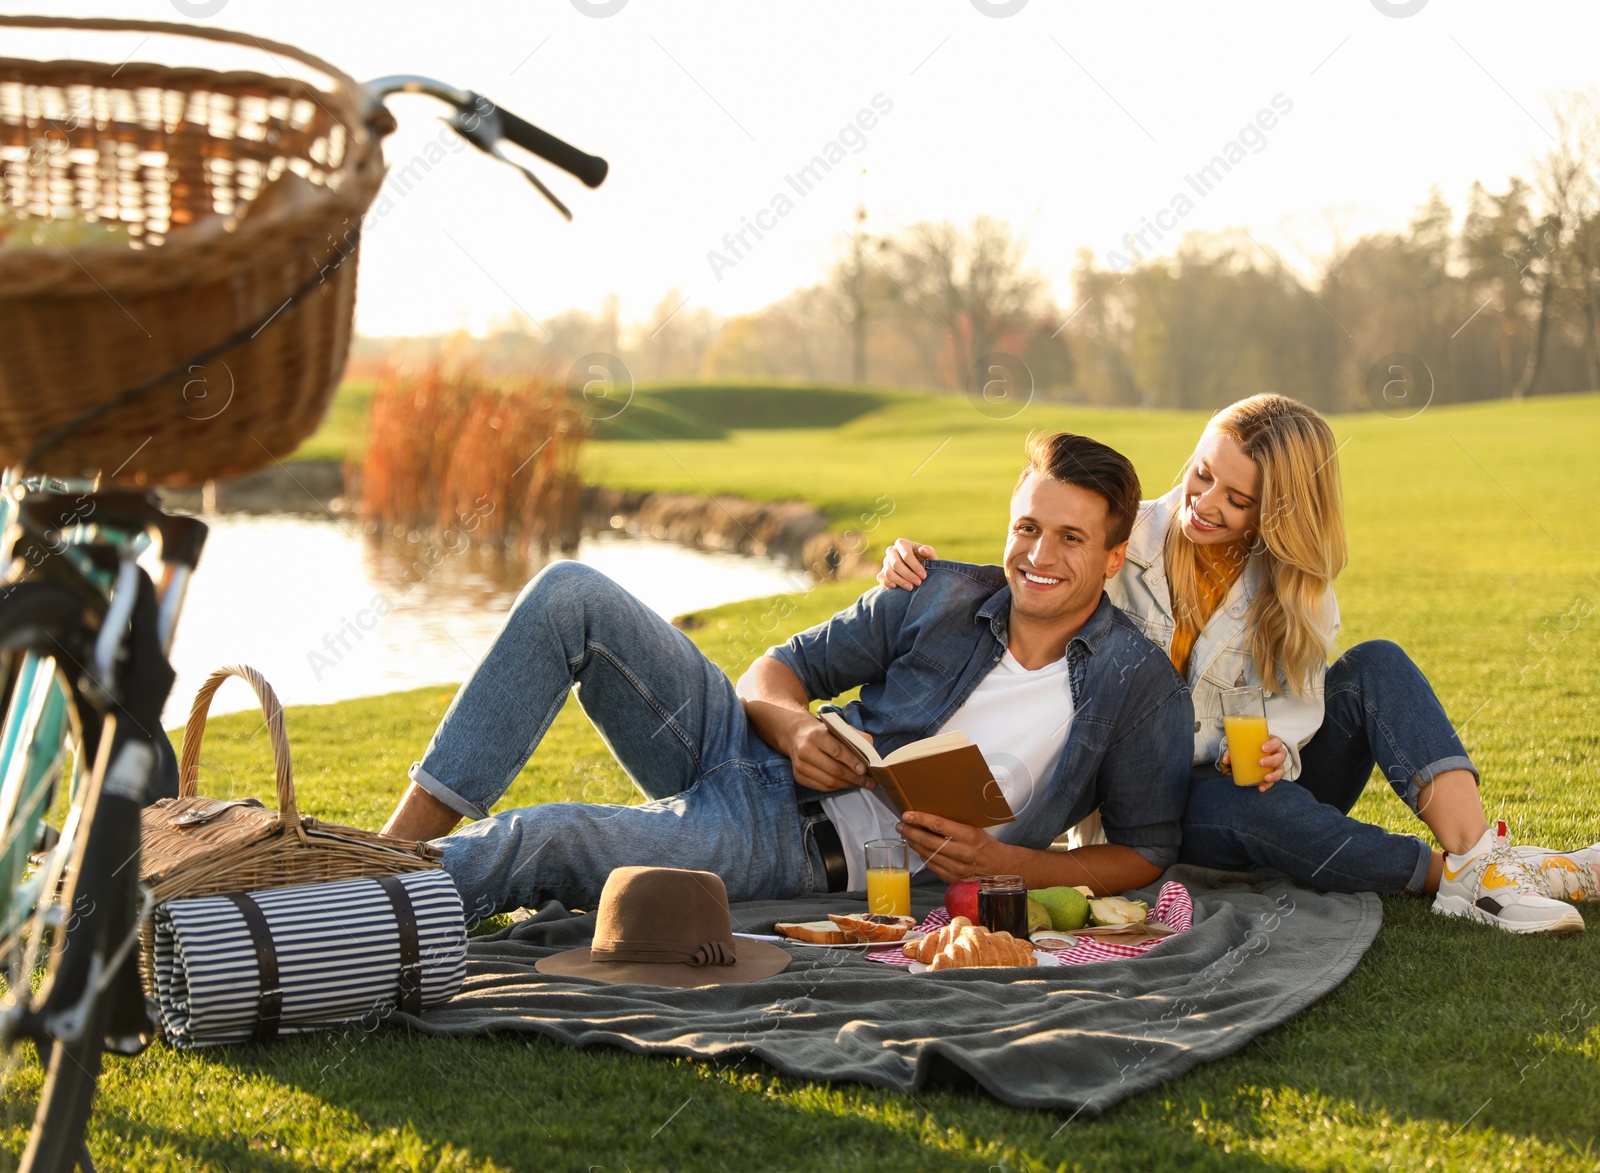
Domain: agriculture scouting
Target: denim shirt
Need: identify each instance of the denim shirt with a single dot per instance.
(917, 656)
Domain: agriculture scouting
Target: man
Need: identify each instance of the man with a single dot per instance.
(1073, 709)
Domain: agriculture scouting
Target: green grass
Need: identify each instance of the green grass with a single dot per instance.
(701, 411)
(1474, 531)
(343, 434)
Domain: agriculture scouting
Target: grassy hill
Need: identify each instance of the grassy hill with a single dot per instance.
(1475, 536)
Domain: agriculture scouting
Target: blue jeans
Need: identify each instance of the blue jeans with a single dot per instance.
(1379, 710)
(722, 799)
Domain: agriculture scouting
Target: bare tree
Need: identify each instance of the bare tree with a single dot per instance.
(973, 286)
(1586, 263)
(1565, 179)
(1492, 236)
(855, 287)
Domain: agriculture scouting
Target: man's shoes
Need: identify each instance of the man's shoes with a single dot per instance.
(1493, 885)
(1567, 875)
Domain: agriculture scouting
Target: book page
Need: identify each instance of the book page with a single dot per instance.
(852, 737)
(928, 746)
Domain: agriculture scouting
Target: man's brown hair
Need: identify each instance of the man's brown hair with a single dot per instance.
(1089, 464)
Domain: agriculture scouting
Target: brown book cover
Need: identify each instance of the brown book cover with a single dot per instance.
(943, 775)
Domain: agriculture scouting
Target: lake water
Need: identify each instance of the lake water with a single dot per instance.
(302, 600)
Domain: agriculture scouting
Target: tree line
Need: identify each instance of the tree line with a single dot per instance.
(1507, 303)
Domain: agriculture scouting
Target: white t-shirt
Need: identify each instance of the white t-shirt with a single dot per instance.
(1019, 721)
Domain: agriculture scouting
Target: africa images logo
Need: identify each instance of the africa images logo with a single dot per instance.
(851, 139)
(1251, 140)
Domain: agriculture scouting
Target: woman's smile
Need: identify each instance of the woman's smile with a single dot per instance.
(1200, 523)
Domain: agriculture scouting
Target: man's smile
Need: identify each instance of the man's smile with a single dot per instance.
(1038, 581)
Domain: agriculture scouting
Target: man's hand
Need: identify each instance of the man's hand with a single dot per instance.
(821, 762)
(954, 851)
(1273, 756)
(776, 703)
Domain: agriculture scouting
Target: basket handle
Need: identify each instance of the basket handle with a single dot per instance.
(356, 91)
(194, 732)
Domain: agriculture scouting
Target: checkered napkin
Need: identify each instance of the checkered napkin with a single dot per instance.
(1173, 909)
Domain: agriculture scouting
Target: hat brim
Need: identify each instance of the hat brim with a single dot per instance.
(757, 960)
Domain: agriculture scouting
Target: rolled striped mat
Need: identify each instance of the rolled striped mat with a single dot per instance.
(252, 966)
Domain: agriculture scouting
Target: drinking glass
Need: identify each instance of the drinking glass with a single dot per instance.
(888, 878)
(1244, 722)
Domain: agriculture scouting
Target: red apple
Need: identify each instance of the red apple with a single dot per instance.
(961, 899)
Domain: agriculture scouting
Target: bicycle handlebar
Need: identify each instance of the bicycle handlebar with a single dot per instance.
(483, 123)
(182, 538)
(591, 169)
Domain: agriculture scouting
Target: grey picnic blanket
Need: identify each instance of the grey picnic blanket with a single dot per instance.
(1075, 1038)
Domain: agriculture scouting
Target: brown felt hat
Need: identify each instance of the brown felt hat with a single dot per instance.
(666, 927)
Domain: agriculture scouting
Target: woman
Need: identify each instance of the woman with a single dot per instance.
(1231, 574)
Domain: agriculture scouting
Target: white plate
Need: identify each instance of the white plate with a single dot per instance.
(911, 935)
(1042, 960)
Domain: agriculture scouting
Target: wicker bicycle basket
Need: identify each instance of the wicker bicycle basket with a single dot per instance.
(192, 846)
(181, 303)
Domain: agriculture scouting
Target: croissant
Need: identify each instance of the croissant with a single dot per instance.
(978, 947)
(927, 948)
(964, 945)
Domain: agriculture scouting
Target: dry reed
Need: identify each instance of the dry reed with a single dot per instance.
(496, 461)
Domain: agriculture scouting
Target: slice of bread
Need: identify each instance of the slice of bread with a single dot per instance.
(815, 932)
(873, 927)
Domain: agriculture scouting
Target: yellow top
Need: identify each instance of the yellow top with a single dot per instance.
(1219, 566)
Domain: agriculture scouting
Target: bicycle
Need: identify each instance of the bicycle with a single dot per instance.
(84, 636)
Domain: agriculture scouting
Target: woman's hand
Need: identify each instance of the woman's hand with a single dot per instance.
(1273, 756)
(902, 564)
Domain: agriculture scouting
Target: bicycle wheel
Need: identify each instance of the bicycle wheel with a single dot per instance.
(48, 623)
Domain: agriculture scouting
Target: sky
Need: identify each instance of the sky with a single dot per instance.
(1078, 123)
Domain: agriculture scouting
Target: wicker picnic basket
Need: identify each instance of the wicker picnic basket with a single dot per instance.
(184, 330)
(192, 846)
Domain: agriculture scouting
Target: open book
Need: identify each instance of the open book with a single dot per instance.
(943, 775)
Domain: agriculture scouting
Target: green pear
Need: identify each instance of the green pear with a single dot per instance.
(1038, 916)
(1067, 907)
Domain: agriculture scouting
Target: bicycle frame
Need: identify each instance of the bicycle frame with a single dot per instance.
(37, 720)
(37, 723)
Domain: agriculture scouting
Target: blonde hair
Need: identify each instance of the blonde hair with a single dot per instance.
(1300, 537)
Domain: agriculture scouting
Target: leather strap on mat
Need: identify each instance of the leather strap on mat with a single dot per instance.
(270, 1009)
(409, 997)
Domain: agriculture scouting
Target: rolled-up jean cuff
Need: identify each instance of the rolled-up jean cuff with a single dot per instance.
(1431, 771)
(1419, 878)
(467, 810)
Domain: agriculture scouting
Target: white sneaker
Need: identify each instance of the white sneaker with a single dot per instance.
(1493, 886)
(1567, 875)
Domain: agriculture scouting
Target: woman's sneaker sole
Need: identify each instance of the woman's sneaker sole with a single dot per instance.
(1490, 884)
(1563, 921)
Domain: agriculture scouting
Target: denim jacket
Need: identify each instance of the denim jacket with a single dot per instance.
(917, 656)
(1221, 657)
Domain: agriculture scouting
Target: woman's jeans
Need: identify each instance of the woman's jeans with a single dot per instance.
(1379, 710)
(724, 801)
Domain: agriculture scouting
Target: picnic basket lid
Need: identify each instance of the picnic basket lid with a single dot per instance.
(194, 846)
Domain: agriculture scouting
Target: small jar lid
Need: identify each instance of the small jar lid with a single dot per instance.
(1001, 884)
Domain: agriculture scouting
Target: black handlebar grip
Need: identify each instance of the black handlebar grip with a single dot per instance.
(589, 168)
(182, 539)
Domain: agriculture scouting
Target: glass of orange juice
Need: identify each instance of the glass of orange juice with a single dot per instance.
(888, 878)
(1244, 722)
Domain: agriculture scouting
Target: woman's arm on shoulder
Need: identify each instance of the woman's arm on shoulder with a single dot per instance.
(902, 564)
